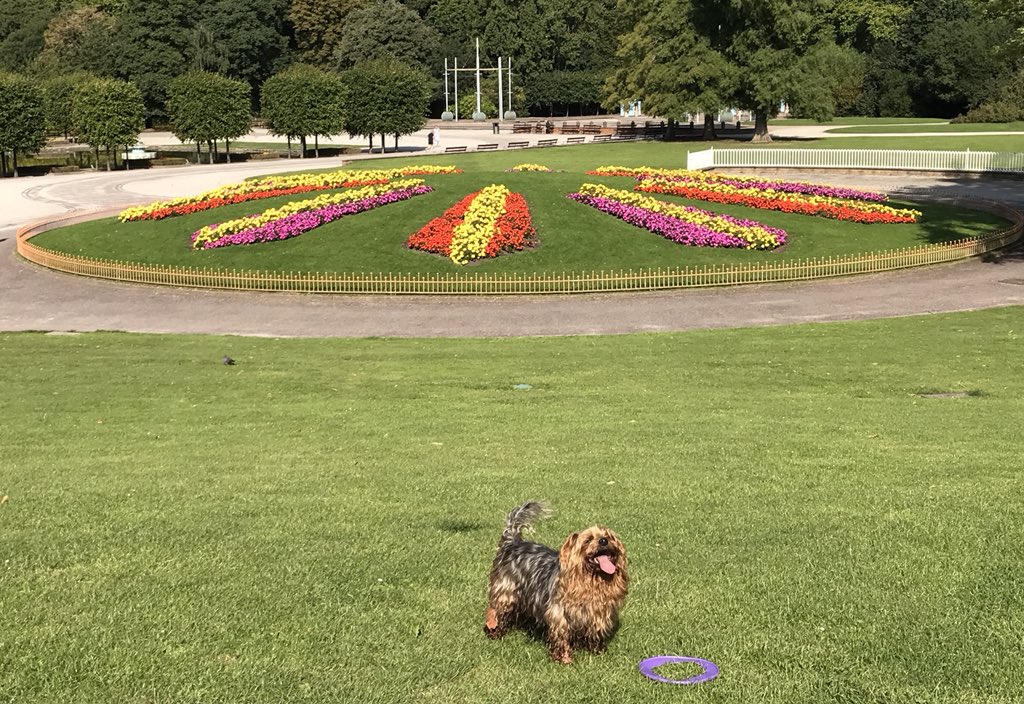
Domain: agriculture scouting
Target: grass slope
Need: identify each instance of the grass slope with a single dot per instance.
(573, 237)
(317, 522)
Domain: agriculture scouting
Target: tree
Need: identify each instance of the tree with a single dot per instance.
(666, 61)
(21, 119)
(79, 39)
(387, 29)
(783, 50)
(206, 107)
(22, 24)
(302, 101)
(107, 113)
(59, 91)
(152, 48)
(251, 34)
(385, 97)
(318, 26)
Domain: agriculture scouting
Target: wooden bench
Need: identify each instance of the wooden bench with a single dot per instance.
(570, 128)
(602, 138)
(517, 145)
(546, 142)
(575, 140)
(454, 150)
(592, 128)
(520, 127)
(486, 147)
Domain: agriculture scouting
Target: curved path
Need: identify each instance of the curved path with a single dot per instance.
(33, 298)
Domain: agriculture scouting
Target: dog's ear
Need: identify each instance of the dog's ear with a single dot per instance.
(564, 555)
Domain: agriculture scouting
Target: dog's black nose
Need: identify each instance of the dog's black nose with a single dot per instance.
(603, 542)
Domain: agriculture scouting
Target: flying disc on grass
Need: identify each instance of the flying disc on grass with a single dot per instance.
(647, 669)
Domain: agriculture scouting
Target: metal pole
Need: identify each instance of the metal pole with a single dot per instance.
(477, 78)
(456, 88)
(446, 84)
(501, 96)
(509, 82)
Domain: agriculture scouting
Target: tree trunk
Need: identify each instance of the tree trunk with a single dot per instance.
(289, 146)
(303, 142)
(709, 128)
(209, 150)
(199, 152)
(106, 156)
(761, 135)
(3, 163)
(371, 144)
(316, 146)
(96, 164)
(396, 141)
(127, 166)
(383, 146)
(227, 149)
(14, 162)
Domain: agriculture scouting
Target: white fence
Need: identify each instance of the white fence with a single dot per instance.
(896, 159)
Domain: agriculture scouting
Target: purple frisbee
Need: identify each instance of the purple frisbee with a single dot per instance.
(647, 669)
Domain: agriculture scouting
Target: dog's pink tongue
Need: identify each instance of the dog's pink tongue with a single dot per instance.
(606, 565)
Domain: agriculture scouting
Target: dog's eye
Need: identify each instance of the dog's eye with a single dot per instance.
(603, 542)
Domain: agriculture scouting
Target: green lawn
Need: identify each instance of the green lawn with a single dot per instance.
(779, 122)
(952, 128)
(573, 237)
(317, 523)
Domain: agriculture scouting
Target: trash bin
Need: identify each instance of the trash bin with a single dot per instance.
(495, 128)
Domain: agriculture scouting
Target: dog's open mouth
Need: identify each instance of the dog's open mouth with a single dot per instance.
(605, 563)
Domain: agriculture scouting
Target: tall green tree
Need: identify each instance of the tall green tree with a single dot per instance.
(385, 97)
(152, 48)
(22, 126)
(108, 113)
(783, 50)
(318, 26)
(206, 107)
(59, 91)
(22, 25)
(387, 29)
(251, 34)
(79, 39)
(666, 61)
(303, 101)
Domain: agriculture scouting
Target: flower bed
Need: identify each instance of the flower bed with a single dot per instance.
(679, 223)
(483, 224)
(708, 177)
(539, 168)
(273, 186)
(820, 206)
(786, 196)
(294, 219)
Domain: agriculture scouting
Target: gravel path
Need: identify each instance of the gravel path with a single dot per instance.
(33, 298)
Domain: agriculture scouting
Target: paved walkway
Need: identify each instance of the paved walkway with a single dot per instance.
(33, 298)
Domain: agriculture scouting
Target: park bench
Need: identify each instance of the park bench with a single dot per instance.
(547, 142)
(454, 150)
(601, 138)
(575, 140)
(570, 128)
(518, 145)
(486, 147)
(522, 127)
(591, 128)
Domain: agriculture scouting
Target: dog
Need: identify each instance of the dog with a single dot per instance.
(570, 596)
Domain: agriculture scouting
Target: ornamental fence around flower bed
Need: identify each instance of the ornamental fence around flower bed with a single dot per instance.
(492, 284)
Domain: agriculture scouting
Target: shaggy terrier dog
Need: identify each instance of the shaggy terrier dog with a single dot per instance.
(570, 596)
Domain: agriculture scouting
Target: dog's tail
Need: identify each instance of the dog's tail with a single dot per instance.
(522, 518)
